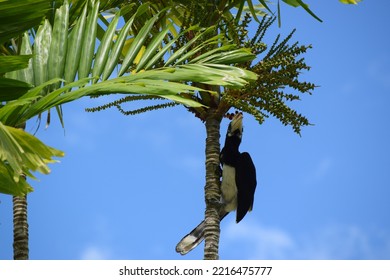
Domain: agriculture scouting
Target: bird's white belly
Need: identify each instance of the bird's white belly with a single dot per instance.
(229, 188)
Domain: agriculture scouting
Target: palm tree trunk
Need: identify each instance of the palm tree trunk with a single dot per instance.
(20, 228)
(212, 187)
(20, 223)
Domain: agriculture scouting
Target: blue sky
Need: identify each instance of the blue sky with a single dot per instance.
(131, 187)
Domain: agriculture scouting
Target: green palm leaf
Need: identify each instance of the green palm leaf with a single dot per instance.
(17, 16)
(57, 51)
(20, 154)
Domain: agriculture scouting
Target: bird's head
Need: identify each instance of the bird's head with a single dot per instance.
(235, 126)
(230, 151)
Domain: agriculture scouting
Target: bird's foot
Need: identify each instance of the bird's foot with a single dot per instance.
(214, 202)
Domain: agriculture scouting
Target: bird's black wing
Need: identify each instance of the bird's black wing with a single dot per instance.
(246, 185)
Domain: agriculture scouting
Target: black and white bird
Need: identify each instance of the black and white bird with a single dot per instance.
(237, 187)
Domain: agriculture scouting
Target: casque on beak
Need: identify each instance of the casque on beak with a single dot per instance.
(236, 124)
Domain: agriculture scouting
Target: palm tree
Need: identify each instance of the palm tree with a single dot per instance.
(278, 72)
(58, 42)
(66, 48)
(17, 17)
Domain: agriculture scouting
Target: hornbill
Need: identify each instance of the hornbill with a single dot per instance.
(237, 187)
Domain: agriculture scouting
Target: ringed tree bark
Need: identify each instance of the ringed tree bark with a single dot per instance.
(212, 187)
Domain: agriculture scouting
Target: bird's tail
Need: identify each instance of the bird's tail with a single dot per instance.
(191, 240)
(194, 238)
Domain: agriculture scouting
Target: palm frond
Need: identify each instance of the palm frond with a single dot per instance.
(17, 16)
(66, 67)
(20, 155)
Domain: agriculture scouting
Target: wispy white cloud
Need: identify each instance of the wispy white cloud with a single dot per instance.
(328, 242)
(98, 247)
(265, 242)
(95, 252)
(337, 242)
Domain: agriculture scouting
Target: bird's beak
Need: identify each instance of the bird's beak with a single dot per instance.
(236, 123)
